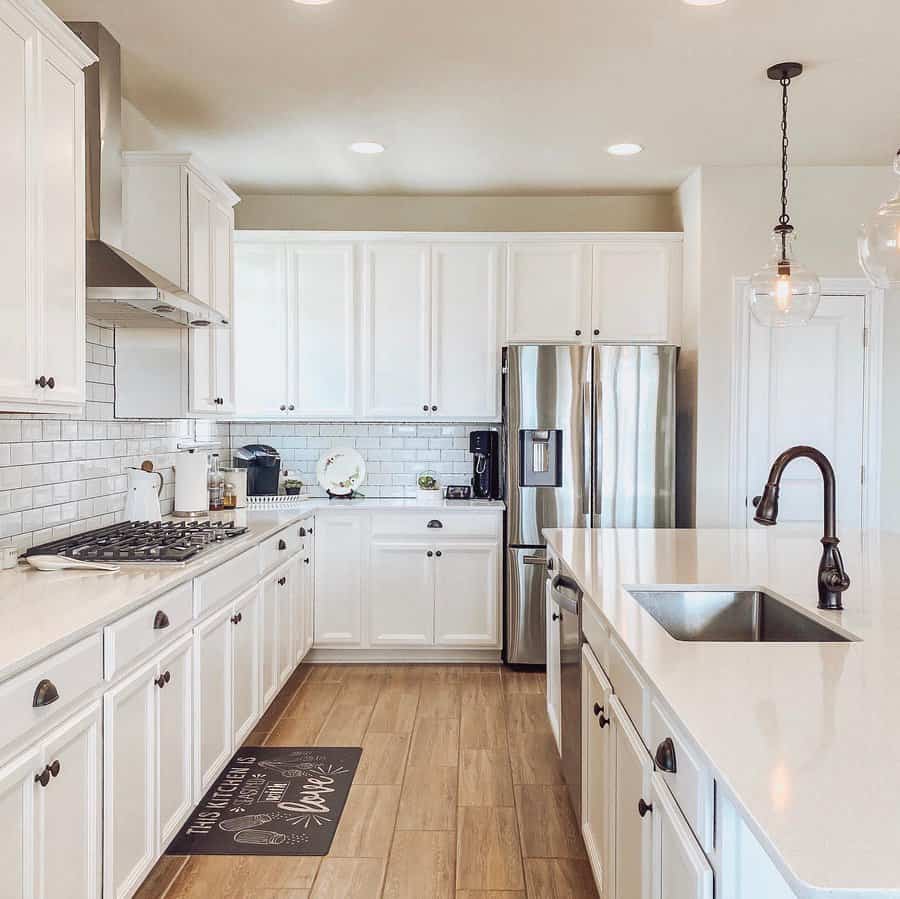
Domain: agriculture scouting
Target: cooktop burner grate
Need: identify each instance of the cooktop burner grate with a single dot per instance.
(142, 542)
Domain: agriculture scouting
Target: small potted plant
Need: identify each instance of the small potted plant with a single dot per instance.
(292, 486)
(428, 491)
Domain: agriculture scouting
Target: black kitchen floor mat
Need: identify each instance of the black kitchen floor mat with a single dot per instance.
(272, 800)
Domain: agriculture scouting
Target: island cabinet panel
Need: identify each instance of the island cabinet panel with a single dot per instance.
(339, 559)
(632, 831)
(680, 869)
(554, 669)
(598, 770)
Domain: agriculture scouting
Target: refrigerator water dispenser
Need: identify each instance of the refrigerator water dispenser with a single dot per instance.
(540, 458)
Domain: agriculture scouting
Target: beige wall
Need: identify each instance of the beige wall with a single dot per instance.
(650, 212)
(139, 133)
(738, 208)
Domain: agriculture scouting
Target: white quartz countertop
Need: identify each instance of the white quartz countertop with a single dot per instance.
(803, 737)
(41, 612)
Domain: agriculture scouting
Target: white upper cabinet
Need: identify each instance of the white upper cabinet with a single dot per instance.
(42, 229)
(465, 350)
(322, 295)
(548, 292)
(636, 291)
(262, 329)
(396, 314)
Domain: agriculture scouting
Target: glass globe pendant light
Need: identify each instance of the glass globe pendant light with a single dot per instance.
(784, 292)
(879, 241)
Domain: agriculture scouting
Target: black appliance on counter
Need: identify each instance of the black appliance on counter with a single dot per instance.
(263, 466)
(485, 448)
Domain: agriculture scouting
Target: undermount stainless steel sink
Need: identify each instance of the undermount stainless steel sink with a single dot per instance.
(733, 616)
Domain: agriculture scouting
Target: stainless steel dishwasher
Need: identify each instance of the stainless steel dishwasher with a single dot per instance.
(567, 596)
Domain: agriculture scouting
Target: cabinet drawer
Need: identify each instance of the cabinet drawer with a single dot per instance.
(226, 582)
(279, 548)
(691, 784)
(596, 633)
(435, 525)
(146, 628)
(72, 673)
(629, 686)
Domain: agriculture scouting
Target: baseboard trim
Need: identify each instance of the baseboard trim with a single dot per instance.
(401, 656)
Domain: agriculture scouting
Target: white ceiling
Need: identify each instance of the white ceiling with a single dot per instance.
(504, 96)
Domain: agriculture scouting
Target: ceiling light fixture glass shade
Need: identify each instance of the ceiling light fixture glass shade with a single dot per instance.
(367, 147)
(879, 241)
(783, 292)
(624, 149)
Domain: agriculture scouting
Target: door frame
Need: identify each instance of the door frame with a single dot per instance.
(738, 488)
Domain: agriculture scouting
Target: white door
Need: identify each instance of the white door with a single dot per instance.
(201, 350)
(309, 593)
(287, 585)
(805, 386)
(245, 665)
(18, 848)
(223, 368)
(323, 289)
(268, 596)
(18, 299)
(465, 350)
(597, 748)
(338, 580)
(129, 774)
(401, 594)
(467, 595)
(299, 612)
(680, 869)
(222, 227)
(633, 832)
(201, 201)
(263, 346)
(61, 219)
(548, 286)
(212, 699)
(70, 855)
(554, 673)
(630, 296)
(396, 329)
(174, 765)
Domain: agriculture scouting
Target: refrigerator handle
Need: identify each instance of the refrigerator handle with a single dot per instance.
(587, 447)
(596, 453)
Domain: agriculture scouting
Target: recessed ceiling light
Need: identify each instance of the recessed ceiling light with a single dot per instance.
(368, 147)
(313, 2)
(703, 2)
(624, 149)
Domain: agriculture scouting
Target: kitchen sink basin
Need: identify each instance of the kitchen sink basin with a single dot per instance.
(733, 616)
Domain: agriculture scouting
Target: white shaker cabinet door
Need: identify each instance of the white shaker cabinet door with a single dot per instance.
(212, 698)
(632, 291)
(323, 291)
(401, 594)
(263, 343)
(174, 765)
(18, 849)
(396, 314)
(269, 638)
(465, 350)
(61, 220)
(200, 203)
(18, 300)
(221, 236)
(680, 869)
(633, 831)
(597, 784)
(338, 580)
(548, 286)
(70, 810)
(287, 584)
(467, 595)
(129, 781)
(245, 665)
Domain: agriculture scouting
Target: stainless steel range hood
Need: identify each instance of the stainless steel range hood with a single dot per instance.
(121, 290)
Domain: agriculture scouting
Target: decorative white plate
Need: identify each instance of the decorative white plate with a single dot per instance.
(341, 471)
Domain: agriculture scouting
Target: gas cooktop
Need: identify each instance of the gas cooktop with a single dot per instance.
(142, 542)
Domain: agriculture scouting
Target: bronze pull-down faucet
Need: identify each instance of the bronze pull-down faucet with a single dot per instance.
(833, 580)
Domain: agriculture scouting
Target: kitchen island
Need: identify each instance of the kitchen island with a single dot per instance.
(791, 742)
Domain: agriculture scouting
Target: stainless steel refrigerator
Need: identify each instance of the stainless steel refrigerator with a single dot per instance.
(588, 441)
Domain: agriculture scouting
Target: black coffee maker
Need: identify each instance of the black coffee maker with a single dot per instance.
(485, 449)
(263, 466)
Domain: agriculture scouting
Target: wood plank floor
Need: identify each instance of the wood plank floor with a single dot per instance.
(458, 794)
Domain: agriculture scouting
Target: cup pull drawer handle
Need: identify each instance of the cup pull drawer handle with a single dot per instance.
(44, 694)
(161, 621)
(665, 756)
(434, 523)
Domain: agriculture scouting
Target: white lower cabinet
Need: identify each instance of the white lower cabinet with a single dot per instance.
(680, 869)
(245, 699)
(268, 630)
(401, 594)
(554, 666)
(338, 591)
(302, 601)
(146, 765)
(288, 583)
(597, 783)
(467, 595)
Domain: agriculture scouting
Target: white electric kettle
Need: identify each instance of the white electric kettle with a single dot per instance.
(142, 495)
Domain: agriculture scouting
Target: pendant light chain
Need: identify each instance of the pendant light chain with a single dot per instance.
(784, 219)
